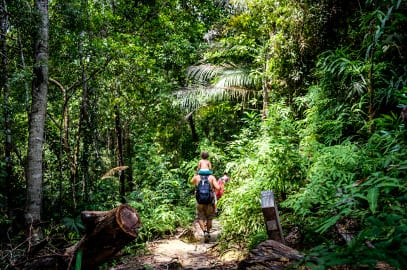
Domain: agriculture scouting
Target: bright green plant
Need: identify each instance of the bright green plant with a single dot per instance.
(365, 184)
(164, 203)
(267, 161)
(331, 169)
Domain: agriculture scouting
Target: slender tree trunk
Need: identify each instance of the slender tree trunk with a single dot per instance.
(266, 91)
(371, 92)
(83, 123)
(191, 123)
(37, 124)
(86, 131)
(4, 86)
(86, 127)
(266, 85)
(119, 138)
(64, 139)
(129, 153)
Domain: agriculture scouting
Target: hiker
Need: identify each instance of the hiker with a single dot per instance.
(221, 182)
(225, 177)
(205, 209)
(219, 192)
(204, 165)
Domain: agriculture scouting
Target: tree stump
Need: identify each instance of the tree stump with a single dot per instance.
(107, 232)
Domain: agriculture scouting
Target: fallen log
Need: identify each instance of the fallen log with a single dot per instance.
(107, 232)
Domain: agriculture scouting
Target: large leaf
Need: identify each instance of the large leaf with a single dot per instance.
(372, 197)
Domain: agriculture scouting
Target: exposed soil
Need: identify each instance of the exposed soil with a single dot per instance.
(185, 250)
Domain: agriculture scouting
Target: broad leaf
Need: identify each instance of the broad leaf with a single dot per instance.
(372, 196)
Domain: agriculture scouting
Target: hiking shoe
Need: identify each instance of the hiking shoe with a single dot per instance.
(206, 236)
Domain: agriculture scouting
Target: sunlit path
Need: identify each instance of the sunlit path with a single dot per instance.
(186, 250)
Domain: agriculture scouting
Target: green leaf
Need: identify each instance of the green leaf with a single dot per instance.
(328, 223)
(78, 262)
(360, 196)
(372, 196)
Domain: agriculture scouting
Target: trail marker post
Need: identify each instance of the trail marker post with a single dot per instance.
(271, 217)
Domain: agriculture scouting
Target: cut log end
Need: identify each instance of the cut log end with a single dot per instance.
(111, 231)
(128, 220)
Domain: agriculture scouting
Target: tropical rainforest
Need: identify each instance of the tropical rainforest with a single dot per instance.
(110, 102)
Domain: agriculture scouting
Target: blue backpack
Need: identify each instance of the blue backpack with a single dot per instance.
(204, 194)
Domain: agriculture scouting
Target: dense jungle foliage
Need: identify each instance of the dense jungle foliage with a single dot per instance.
(305, 98)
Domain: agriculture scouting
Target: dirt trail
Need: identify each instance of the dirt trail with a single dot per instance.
(186, 250)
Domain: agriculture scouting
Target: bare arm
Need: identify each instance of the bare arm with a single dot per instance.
(193, 180)
(214, 182)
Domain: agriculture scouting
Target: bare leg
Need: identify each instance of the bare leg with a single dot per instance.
(202, 225)
(209, 225)
(205, 230)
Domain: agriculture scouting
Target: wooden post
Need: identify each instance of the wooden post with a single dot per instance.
(271, 217)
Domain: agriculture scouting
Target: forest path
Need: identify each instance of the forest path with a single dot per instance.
(185, 250)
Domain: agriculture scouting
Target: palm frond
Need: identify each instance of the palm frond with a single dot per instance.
(221, 76)
(235, 77)
(206, 72)
(215, 83)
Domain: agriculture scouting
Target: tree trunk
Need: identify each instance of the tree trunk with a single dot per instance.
(191, 122)
(119, 138)
(266, 84)
(82, 131)
(266, 91)
(4, 86)
(64, 139)
(129, 153)
(371, 92)
(39, 91)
